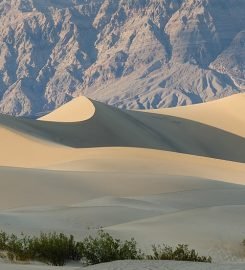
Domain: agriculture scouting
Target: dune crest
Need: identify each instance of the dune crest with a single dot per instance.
(151, 176)
(66, 128)
(77, 110)
(227, 113)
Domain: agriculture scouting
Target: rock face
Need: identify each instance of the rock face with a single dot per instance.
(127, 53)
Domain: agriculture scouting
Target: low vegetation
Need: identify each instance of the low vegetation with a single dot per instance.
(180, 253)
(104, 248)
(57, 249)
(50, 248)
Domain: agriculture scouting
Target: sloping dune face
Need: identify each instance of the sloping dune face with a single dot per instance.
(81, 126)
(79, 109)
(111, 127)
(151, 176)
(227, 113)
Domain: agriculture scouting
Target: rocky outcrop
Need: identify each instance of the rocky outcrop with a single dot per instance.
(127, 53)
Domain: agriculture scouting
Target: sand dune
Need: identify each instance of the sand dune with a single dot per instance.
(113, 127)
(216, 231)
(27, 186)
(79, 109)
(127, 265)
(157, 177)
(135, 265)
(7, 266)
(110, 127)
(227, 113)
(152, 208)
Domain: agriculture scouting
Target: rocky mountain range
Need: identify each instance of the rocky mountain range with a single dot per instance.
(128, 53)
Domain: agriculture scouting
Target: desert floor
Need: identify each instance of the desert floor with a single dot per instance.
(165, 176)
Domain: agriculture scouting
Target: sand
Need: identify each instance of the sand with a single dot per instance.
(158, 178)
(157, 208)
(46, 143)
(226, 114)
(129, 265)
(82, 109)
(164, 266)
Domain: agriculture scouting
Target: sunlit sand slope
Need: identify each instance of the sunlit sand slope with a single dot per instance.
(79, 109)
(155, 177)
(227, 113)
(110, 127)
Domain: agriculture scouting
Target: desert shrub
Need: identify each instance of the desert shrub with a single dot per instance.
(17, 248)
(104, 248)
(180, 253)
(51, 248)
(3, 240)
(57, 249)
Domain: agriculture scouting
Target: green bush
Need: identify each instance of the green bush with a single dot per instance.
(51, 248)
(104, 248)
(180, 253)
(57, 249)
(3, 240)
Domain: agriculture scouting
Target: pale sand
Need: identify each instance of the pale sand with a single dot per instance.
(29, 143)
(65, 183)
(227, 113)
(153, 208)
(82, 109)
(129, 265)
(132, 265)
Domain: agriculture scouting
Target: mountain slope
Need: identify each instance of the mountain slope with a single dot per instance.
(131, 54)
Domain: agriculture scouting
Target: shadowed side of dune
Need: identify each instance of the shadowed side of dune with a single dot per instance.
(113, 127)
(64, 188)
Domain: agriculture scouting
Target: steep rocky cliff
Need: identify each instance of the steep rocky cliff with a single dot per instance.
(128, 53)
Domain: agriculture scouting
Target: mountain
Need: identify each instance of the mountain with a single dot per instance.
(127, 53)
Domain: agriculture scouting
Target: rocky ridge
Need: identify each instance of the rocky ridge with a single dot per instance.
(127, 53)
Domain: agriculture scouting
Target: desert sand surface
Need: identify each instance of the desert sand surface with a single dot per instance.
(111, 127)
(82, 109)
(227, 113)
(164, 266)
(158, 178)
(129, 265)
(45, 143)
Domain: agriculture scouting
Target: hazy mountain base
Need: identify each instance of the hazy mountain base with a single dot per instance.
(187, 51)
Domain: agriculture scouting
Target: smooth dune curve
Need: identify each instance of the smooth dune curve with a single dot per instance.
(101, 172)
(111, 127)
(79, 109)
(227, 113)
(136, 174)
